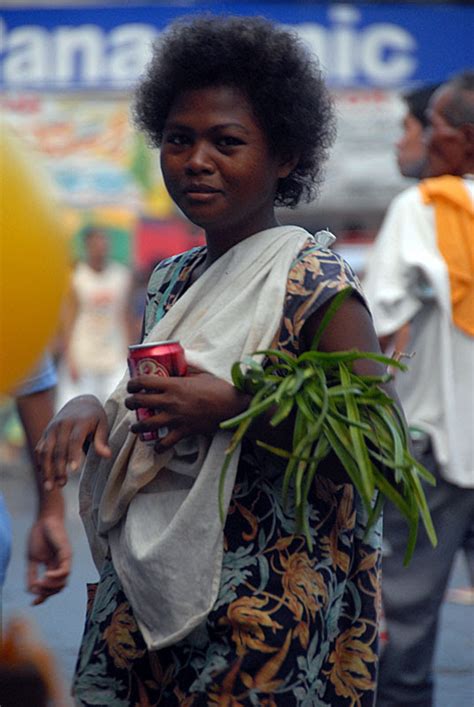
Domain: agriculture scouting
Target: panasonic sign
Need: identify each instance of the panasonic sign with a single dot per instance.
(382, 53)
(61, 50)
(83, 56)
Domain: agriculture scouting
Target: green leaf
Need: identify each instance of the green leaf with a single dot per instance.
(277, 451)
(392, 494)
(376, 510)
(284, 410)
(300, 469)
(299, 428)
(360, 448)
(254, 410)
(343, 451)
(347, 420)
(339, 390)
(304, 407)
(424, 510)
(292, 465)
(321, 451)
(237, 375)
(277, 354)
(284, 388)
(412, 536)
(393, 426)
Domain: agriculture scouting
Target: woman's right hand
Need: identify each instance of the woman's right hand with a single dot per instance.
(60, 448)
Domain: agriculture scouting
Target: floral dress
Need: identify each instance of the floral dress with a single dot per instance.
(290, 626)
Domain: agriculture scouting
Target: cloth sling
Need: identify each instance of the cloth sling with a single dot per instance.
(454, 216)
(159, 514)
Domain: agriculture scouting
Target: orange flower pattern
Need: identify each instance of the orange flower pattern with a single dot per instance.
(118, 637)
(248, 620)
(290, 627)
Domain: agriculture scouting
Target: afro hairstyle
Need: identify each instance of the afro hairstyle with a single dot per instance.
(270, 64)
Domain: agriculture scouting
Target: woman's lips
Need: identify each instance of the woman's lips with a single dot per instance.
(201, 194)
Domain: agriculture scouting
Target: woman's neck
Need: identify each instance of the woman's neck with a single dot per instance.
(220, 241)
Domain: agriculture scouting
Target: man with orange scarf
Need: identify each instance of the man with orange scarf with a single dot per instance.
(421, 273)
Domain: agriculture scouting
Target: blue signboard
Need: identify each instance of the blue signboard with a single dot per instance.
(386, 46)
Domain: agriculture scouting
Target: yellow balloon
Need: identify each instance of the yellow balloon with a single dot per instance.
(34, 262)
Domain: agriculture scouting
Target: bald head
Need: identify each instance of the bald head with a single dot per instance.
(450, 138)
(460, 107)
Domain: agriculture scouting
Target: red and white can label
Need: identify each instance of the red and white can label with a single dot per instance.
(151, 367)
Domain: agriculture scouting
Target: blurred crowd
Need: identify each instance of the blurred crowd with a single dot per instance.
(101, 315)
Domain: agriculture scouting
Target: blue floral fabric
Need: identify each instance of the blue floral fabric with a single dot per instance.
(291, 626)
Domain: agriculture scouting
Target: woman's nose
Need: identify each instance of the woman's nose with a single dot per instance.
(199, 159)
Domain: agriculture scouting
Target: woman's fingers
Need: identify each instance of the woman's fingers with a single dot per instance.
(60, 450)
(153, 384)
(74, 454)
(168, 441)
(145, 400)
(151, 424)
(44, 458)
(60, 454)
(101, 439)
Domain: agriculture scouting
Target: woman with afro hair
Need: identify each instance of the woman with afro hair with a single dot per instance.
(189, 611)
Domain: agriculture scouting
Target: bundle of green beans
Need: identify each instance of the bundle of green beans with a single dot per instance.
(335, 410)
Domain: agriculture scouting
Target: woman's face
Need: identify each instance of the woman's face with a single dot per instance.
(217, 164)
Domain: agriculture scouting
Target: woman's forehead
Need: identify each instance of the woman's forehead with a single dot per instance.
(227, 102)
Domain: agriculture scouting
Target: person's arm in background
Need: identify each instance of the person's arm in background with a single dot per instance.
(391, 279)
(68, 319)
(48, 544)
(396, 345)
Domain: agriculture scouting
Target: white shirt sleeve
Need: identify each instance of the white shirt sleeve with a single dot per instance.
(404, 254)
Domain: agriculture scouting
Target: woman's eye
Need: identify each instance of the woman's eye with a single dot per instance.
(229, 141)
(177, 139)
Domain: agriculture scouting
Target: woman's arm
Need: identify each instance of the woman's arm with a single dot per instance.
(199, 402)
(189, 405)
(351, 327)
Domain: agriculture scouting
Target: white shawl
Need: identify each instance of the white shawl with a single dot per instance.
(159, 513)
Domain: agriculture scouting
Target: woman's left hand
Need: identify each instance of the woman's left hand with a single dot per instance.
(193, 404)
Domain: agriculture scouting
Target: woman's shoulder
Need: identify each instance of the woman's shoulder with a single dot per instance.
(165, 270)
(318, 267)
(317, 274)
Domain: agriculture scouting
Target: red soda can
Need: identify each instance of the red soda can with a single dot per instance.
(159, 358)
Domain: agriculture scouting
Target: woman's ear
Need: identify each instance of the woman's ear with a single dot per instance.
(287, 165)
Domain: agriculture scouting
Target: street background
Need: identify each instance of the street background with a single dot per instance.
(68, 69)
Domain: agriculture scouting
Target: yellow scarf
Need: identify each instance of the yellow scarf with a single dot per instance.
(454, 214)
